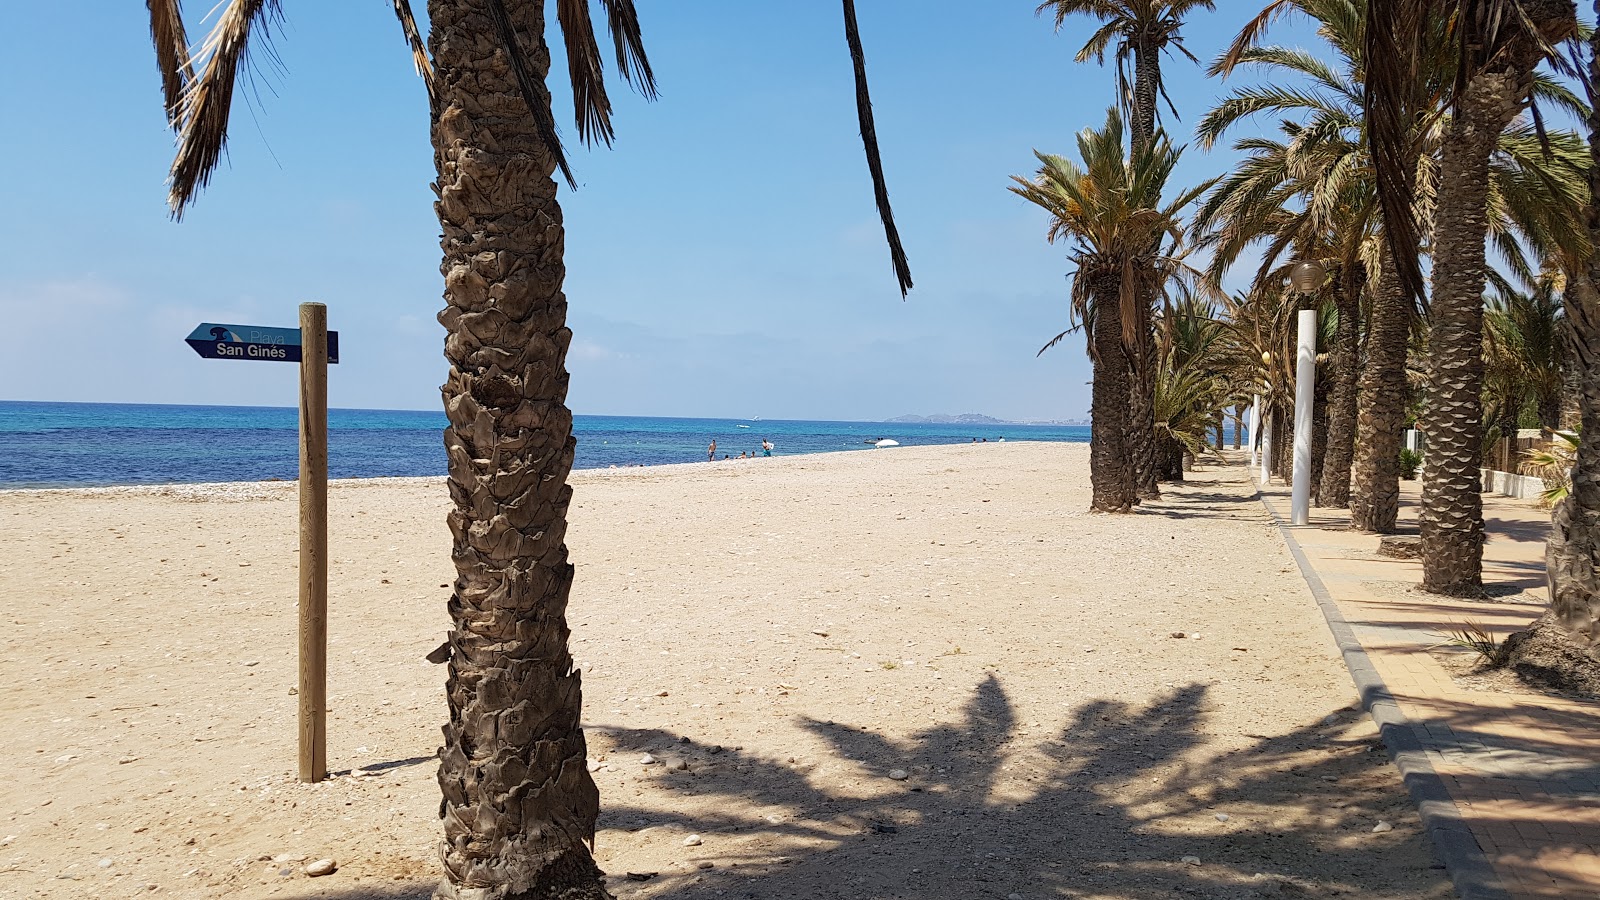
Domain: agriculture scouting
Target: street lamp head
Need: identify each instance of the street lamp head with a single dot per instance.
(1307, 276)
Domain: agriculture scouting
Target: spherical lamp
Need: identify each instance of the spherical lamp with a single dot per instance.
(1307, 275)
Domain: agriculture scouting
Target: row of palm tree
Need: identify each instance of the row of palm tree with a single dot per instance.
(1396, 167)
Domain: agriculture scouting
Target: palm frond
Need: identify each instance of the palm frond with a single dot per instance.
(590, 106)
(201, 118)
(532, 91)
(869, 141)
(419, 52)
(172, 54)
(622, 20)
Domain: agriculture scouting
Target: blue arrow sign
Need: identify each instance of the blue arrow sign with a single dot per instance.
(257, 342)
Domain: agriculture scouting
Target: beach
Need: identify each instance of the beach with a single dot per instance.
(1080, 706)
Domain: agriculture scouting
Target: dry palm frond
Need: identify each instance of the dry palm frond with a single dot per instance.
(869, 140)
(622, 20)
(172, 53)
(1472, 636)
(1553, 465)
(590, 105)
(532, 92)
(201, 114)
(419, 52)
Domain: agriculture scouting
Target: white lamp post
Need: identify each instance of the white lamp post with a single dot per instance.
(1255, 429)
(1306, 277)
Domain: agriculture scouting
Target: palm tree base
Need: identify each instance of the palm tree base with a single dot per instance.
(1548, 654)
(1452, 559)
(573, 876)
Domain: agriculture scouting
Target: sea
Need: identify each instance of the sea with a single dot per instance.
(46, 445)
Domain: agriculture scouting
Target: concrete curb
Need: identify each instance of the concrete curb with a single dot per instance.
(1469, 868)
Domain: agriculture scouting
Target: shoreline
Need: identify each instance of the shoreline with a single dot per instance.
(173, 488)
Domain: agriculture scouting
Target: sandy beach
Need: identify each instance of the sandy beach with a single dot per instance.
(789, 630)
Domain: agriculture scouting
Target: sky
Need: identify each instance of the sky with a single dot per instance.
(724, 258)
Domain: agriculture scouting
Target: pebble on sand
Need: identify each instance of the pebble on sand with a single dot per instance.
(1381, 827)
(899, 774)
(321, 867)
(648, 760)
(1222, 817)
(692, 840)
(1190, 860)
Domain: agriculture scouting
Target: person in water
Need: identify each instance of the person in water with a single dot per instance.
(711, 452)
(766, 447)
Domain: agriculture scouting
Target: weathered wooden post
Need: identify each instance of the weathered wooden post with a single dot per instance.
(313, 541)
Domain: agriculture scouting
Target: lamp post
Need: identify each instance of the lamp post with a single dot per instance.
(1306, 277)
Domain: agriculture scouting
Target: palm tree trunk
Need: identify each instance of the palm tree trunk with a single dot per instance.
(1571, 629)
(1238, 426)
(1333, 490)
(1141, 438)
(519, 805)
(1142, 410)
(1146, 81)
(1381, 409)
(1319, 436)
(1110, 476)
(1564, 646)
(1452, 503)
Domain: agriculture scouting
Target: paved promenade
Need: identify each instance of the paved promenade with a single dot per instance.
(1507, 779)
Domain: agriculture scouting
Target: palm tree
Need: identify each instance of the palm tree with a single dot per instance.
(1323, 165)
(519, 806)
(1308, 191)
(1524, 334)
(1498, 44)
(1564, 645)
(1111, 211)
(1142, 31)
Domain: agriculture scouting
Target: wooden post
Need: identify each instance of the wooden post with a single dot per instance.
(313, 541)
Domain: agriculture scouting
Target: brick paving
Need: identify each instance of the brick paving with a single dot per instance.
(1508, 778)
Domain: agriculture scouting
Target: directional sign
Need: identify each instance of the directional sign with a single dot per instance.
(213, 341)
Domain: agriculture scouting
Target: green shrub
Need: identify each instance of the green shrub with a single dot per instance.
(1409, 461)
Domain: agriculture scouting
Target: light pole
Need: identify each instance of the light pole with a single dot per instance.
(1306, 277)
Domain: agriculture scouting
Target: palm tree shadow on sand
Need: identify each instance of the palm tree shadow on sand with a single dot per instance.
(1108, 808)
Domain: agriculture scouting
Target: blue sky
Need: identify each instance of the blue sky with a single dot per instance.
(724, 258)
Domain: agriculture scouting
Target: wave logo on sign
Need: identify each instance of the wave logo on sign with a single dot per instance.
(219, 333)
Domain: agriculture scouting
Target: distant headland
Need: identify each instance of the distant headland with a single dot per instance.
(976, 419)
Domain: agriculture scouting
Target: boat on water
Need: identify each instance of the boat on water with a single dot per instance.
(886, 442)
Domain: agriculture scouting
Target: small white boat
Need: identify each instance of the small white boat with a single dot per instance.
(741, 426)
(886, 442)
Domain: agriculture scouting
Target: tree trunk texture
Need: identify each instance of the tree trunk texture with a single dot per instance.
(1381, 409)
(1571, 629)
(1333, 490)
(1110, 476)
(519, 805)
(1170, 454)
(1319, 435)
(1217, 426)
(1141, 438)
(1238, 426)
(1142, 409)
(1146, 86)
(1452, 503)
(1282, 447)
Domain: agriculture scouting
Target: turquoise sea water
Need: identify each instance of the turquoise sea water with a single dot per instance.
(75, 444)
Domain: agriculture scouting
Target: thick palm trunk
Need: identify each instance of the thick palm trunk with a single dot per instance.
(1333, 489)
(1381, 409)
(1319, 437)
(1564, 646)
(519, 805)
(1110, 476)
(1141, 440)
(1568, 637)
(1452, 503)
